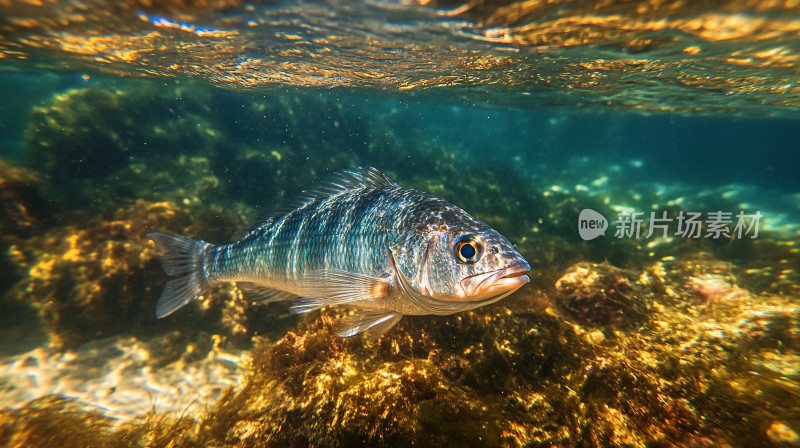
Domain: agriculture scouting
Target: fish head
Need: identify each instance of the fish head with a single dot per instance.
(469, 262)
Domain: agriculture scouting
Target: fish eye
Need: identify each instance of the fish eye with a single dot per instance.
(495, 250)
(467, 250)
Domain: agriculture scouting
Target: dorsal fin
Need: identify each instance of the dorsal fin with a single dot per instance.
(340, 182)
(345, 180)
(358, 177)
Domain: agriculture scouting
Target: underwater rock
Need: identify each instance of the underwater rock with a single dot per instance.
(103, 278)
(781, 434)
(433, 382)
(91, 280)
(23, 211)
(23, 208)
(54, 420)
(600, 294)
(514, 378)
(93, 131)
(85, 139)
(713, 288)
(108, 143)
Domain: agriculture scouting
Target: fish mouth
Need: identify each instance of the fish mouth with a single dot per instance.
(490, 285)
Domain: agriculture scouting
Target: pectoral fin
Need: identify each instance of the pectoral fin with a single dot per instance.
(375, 323)
(334, 287)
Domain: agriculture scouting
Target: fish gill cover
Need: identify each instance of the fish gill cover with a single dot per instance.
(672, 339)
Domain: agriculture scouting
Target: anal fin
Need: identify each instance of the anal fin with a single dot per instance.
(259, 293)
(375, 323)
(305, 305)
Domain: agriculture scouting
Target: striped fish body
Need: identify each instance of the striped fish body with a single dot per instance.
(348, 232)
(361, 241)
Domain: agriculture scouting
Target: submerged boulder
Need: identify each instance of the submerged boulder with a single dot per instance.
(90, 280)
(103, 278)
(23, 207)
(100, 145)
(23, 212)
(600, 294)
(55, 420)
(431, 382)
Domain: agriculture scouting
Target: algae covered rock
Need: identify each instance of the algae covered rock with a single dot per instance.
(23, 207)
(600, 294)
(94, 131)
(434, 382)
(23, 212)
(54, 420)
(87, 141)
(103, 278)
(110, 142)
(90, 280)
(520, 376)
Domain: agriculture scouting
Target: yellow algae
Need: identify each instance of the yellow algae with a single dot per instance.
(73, 253)
(43, 269)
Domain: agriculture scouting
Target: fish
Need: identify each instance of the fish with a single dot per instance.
(359, 241)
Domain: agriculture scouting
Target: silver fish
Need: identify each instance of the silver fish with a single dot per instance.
(361, 241)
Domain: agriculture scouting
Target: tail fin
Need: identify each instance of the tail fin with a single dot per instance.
(182, 256)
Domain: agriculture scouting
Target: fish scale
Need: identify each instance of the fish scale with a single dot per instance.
(328, 233)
